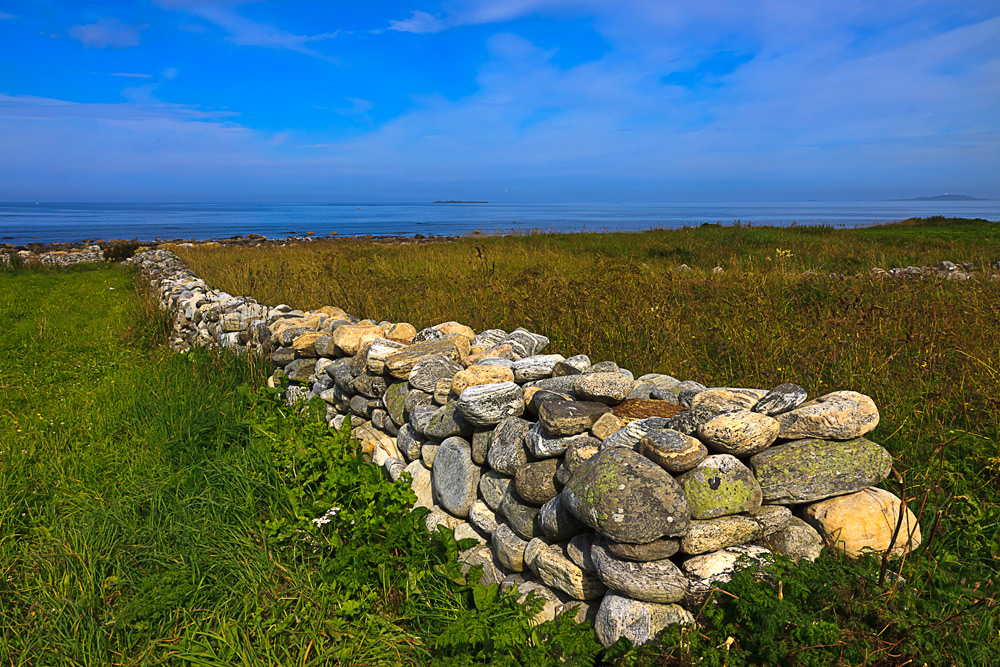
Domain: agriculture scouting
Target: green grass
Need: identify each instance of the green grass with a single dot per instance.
(156, 509)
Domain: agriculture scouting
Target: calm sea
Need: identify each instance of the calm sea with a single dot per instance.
(47, 223)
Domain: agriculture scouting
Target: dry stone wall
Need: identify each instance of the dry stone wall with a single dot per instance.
(615, 498)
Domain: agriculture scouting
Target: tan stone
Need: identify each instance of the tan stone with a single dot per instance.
(505, 351)
(442, 391)
(379, 351)
(333, 312)
(399, 364)
(277, 326)
(603, 427)
(740, 433)
(864, 520)
(840, 415)
(477, 375)
(553, 566)
(720, 399)
(376, 446)
(350, 337)
(305, 345)
(456, 328)
(401, 331)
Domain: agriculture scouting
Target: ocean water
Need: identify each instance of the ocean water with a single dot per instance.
(22, 223)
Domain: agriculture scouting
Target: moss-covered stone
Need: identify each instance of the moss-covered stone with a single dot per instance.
(808, 470)
(627, 498)
(718, 486)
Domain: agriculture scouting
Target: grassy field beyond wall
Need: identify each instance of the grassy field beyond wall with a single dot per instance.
(927, 351)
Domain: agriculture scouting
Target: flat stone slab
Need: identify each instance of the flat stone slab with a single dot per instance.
(652, 581)
(641, 408)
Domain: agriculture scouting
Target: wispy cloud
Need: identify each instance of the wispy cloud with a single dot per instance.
(132, 75)
(243, 31)
(4, 16)
(106, 33)
(420, 23)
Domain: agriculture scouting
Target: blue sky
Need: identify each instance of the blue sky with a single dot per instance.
(503, 100)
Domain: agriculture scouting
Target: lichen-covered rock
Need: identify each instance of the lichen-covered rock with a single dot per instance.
(446, 422)
(283, 356)
(651, 581)
(509, 548)
(522, 516)
(610, 388)
(720, 485)
(840, 415)
(864, 520)
(542, 445)
(665, 547)
(428, 451)
(488, 404)
(508, 450)
(430, 369)
(455, 477)
(536, 482)
(798, 541)
(565, 418)
(557, 522)
(639, 622)
(534, 398)
(809, 470)
(786, 396)
(687, 422)
(414, 399)
(370, 385)
(627, 498)
(727, 531)
(739, 432)
(672, 450)
(394, 400)
(577, 454)
(492, 487)
(300, 370)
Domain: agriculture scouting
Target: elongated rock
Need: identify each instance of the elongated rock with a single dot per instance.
(430, 369)
(489, 404)
(809, 470)
(864, 520)
(542, 445)
(740, 432)
(564, 418)
(781, 399)
(553, 566)
(557, 522)
(727, 531)
(401, 363)
(672, 450)
(840, 415)
(652, 581)
(609, 388)
(455, 477)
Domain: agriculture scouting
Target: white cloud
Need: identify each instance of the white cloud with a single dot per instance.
(107, 33)
(4, 16)
(132, 75)
(419, 23)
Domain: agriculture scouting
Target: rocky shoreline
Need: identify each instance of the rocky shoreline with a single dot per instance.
(620, 499)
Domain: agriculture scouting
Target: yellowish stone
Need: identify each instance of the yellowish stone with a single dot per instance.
(305, 345)
(350, 338)
(864, 520)
(476, 375)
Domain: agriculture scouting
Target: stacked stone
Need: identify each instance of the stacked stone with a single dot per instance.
(617, 499)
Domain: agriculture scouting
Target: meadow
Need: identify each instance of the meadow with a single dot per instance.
(153, 506)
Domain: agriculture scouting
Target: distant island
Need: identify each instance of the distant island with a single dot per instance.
(459, 201)
(944, 197)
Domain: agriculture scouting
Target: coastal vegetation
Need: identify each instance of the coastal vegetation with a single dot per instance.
(151, 504)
